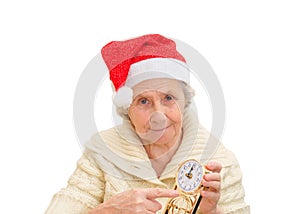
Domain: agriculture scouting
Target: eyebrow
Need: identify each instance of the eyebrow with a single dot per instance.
(145, 95)
(142, 96)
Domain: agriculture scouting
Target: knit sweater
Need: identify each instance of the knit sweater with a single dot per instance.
(115, 161)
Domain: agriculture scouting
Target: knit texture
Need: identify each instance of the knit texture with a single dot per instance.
(123, 164)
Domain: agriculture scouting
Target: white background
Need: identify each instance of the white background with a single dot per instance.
(253, 47)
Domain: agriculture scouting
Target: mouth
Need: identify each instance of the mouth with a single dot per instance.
(161, 129)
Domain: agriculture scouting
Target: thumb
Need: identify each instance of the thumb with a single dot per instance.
(153, 193)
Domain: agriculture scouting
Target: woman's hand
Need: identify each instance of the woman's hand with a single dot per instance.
(135, 201)
(211, 194)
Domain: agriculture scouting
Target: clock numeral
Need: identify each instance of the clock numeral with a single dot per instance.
(188, 187)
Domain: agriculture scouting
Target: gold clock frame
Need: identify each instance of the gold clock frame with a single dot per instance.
(186, 202)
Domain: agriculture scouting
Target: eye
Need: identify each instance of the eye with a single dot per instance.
(169, 97)
(143, 101)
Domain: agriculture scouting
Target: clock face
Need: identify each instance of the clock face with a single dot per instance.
(189, 176)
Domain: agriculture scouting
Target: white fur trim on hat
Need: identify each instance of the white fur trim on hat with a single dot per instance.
(123, 97)
(157, 68)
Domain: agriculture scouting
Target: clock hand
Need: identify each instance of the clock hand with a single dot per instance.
(189, 174)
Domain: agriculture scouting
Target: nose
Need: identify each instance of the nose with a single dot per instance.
(158, 106)
(158, 111)
(158, 120)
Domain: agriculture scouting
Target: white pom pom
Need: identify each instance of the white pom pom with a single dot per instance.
(123, 97)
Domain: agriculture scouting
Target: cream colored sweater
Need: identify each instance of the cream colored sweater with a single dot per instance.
(115, 161)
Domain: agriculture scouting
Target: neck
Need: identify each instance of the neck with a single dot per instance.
(160, 151)
(161, 154)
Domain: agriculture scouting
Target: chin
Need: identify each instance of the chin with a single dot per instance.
(166, 139)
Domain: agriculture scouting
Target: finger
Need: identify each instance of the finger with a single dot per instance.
(212, 177)
(214, 166)
(149, 212)
(153, 205)
(153, 193)
(215, 196)
(214, 186)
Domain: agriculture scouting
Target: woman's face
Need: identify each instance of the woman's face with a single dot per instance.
(156, 112)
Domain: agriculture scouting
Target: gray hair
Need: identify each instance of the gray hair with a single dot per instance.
(188, 92)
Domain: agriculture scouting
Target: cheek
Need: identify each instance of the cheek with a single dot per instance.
(138, 119)
(176, 114)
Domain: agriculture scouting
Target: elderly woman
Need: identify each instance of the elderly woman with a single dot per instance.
(131, 168)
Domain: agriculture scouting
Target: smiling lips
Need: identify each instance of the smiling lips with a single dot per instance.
(162, 129)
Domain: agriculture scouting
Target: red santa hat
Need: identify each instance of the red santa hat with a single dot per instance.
(147, 57)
